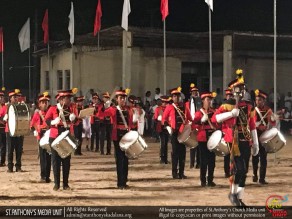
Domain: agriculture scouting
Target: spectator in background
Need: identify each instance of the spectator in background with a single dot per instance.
(157, 93)
(288, 101)
(285, 122)
(147, 99)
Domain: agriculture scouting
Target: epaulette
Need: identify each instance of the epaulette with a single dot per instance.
(227, 106)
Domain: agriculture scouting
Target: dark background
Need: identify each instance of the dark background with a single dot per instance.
(184, 15)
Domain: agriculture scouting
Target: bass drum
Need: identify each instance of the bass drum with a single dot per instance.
(18, 120)
(188, 137)
(272, 140)
(133, 144)
(217, 144)
(65, 144)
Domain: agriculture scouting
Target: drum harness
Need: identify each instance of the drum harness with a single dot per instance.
(180, 113)
(212, 127)
(261, 117)
(61, 115)
(123, 118)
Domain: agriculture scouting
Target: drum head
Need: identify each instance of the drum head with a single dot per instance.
(214, 140)
(60, 137)
(185, 133)
(12, 120)
(128, 139)
(268, 135)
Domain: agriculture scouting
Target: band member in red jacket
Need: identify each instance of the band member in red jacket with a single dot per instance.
(205, 128)
(238, 125)
(160, 129)
(78, 125)
(174, 117)
(134, 111)
(39, 126)
(108, 125)
(12, 143)
(264, 120)
(2, 132)
(58, 126)
(193, 105)
(119, 130)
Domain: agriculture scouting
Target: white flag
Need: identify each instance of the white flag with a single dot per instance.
(126, 12)
(24, 36)
(210, 3)
(71, 24)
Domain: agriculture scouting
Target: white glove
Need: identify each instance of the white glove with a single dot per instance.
(35, 133)
(107, 104)
(235, 112)
(72, 117)
(56, 121)
(5, 118)
(204, 118)
(255, 143)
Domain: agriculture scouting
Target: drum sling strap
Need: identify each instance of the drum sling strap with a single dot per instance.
(61, 114)
(261, 116)
(179, 112)
(123, 118)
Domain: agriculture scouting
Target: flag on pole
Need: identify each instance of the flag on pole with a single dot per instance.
(24, 36)
(71, 24)
(210, 3)
(126, 12)
(97, 21)
(164, 9)
(1, 40)
(45, 26)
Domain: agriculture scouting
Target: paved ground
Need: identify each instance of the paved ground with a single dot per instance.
(93, 182)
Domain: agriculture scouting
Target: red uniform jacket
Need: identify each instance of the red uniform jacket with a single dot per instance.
(53, 113)
(2, 123)
(77, 110)
(39, 125)
(159, 111)
(227, 125)
(262, 125)
(3, 111)
(98, 113)
(113, 113)
(204, 128)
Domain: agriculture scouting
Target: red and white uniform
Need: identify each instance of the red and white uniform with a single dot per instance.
(39, 124)
(204, 128)
(3, 112)
(98, 115)
(158, 113)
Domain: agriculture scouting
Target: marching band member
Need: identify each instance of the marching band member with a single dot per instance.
(78, 125)
(192, 106)
(228, 95)
(96, 122)
(174, 117)
(162, 103)
(132, 105)
(122, 122)
(39, 126)
(13, 143)
(205, 129)
(264, 121)
(68, 114)
(239, 127)
(108, 125)
(2, 132)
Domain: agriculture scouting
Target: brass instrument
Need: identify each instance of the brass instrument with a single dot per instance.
(244, 125)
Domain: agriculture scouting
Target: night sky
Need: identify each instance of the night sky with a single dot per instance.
(185, 15)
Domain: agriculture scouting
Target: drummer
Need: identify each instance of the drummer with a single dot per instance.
(264, 121)
(174, 117)
(205, 128)
(108, 125)
(2, 132)
(39, 126)
(13, 143)
(119, 130)
(162, 102)
(57, 126)
(78, 125)
(239, 127)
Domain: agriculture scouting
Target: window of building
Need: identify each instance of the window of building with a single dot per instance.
(67, 79)
(47, 80)
(60, 80)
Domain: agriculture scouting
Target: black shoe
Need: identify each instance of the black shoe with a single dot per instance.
(66, 187)
(161, 162)
(241, 203)
(183, 176)
(87, 148)
(19, 170)
(175, 176)
(107, 153)
(9, 171)
(192, 166)
(96, 150)
(211, 184)
(227, 175)
(263, 182)
(2, 165)
(48, 180)
(203, 184)
(56, 188)
(166, 162)
(255, 178)
(197, 166)
(101, 153)
(42, 180)
(234, 199)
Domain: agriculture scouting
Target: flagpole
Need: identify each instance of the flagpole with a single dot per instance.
(210, 48)
(50, 75)
(98, 41)
(164, 57)
(275, 63)
(3, 82)
(29, 75)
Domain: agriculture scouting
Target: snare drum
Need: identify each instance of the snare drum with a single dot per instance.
(272, 140)
(188, 137)
(217, 144)
(44, 142)
(18, 120)
(133, 144)
(65, 144)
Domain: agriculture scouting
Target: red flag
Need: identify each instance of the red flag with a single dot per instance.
(45, 26)
(164, 9)
(1, 40)
(97, 21)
